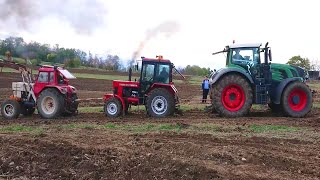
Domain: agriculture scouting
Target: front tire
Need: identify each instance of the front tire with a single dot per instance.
(50, 104)
(10, 109)
(296, 100)
(160, 103)
(232, 96)
(113, 107)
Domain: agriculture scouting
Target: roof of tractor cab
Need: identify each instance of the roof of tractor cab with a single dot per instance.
(64, 72)
(245, 45)
(156, 60)
(46, 69)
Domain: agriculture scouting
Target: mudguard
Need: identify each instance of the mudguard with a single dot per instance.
(276, 92)
(108, 96)
(224, 71)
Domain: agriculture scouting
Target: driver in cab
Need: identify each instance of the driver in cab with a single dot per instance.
(237, 56)
(163, 76)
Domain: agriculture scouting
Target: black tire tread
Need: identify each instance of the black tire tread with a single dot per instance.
(118, 103)
(284, 100)
(170, 100)
(16, 106)
(60, 103)
(27, 111)
(217, 93)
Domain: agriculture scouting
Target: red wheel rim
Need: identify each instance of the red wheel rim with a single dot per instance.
(233, 97)
(297, 99)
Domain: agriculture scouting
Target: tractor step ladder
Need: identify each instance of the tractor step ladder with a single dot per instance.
(261, 91)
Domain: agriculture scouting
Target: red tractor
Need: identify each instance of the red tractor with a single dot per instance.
(50, 93)
(154, 89)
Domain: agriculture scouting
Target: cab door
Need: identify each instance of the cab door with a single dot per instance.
(43, 79)
(147, 76)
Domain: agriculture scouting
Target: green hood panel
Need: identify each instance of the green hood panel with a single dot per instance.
(284, 71)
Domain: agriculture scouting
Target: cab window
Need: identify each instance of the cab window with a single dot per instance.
(163, 73)
(43, 77)
(148, 72)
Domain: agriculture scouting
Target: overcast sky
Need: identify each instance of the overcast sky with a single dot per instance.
(189, 31)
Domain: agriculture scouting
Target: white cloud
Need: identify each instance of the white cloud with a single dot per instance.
(205, 26)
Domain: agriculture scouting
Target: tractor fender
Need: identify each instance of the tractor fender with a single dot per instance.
(62, 90)
(170, 87)
(276, 93)
(108, 96)
(222, 72)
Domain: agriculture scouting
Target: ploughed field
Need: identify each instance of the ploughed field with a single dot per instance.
(192, 145)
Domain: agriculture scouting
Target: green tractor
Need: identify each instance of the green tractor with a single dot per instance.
(250, 78)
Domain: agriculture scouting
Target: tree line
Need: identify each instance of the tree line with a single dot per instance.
(36, 53)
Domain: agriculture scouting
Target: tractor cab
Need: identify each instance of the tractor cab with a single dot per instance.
(155, 71)
(53, 76)
(248, 57)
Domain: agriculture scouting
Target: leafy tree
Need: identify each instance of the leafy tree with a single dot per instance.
(299, 61)
(52, 57)
(196, 70)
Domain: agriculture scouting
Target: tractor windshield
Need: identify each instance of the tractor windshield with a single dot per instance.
(148, 72)
(66, 74)
(243, 56)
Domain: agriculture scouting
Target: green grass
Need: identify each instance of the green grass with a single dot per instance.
(147, 127)
(316, 105)
(272, 128)
(196, 80)
(79, 126)
(21, 128)
(99, 109)
(102, 76)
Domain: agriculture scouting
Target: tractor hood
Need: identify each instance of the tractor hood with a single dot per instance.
(295, 70)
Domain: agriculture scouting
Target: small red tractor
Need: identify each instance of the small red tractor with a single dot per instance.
(50, 93)
(154, 89)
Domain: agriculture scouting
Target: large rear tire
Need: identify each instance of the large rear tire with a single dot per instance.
(113, 107)
(50, 104)
(296, 100)
(160, 103)
(232, 96)
(10, 109)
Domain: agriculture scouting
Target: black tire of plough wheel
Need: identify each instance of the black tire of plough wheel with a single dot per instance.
(73, 111)
(113, 107)
(303, 107)
(126, 111)
(27, 111)
(15, 107)
(164, 97)
(58, 104)
(277, 108)
(232, 82)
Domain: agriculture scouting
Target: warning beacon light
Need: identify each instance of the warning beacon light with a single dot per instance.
(160, 57)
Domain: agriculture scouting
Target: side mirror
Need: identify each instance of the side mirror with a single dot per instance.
(270, 56)
(137, 67)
